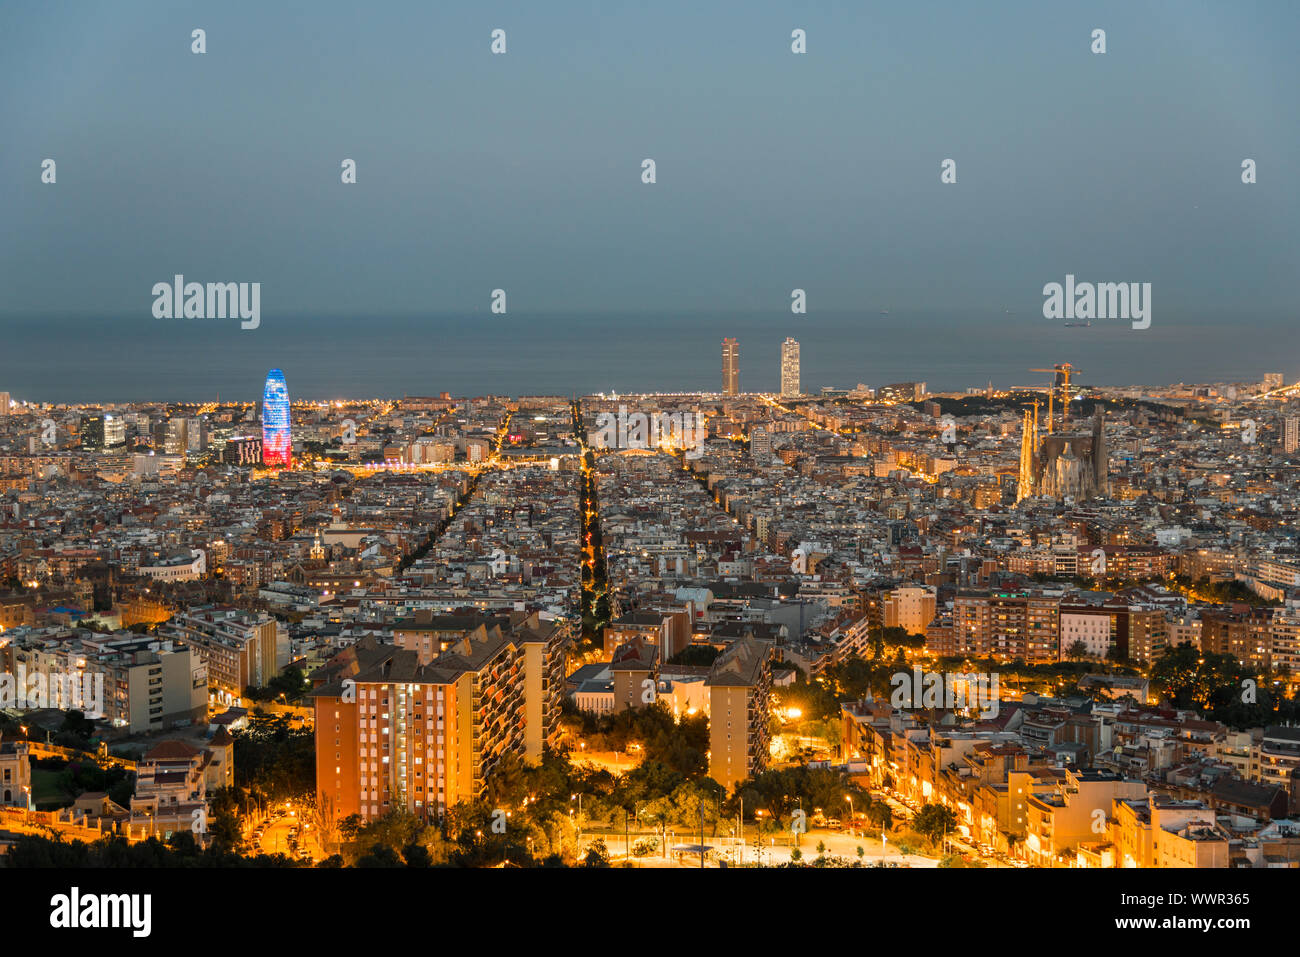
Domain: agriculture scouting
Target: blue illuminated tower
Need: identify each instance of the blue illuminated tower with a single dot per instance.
(277, 444)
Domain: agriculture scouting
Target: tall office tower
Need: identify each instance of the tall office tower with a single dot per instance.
(730, 367)
(789, 368)
(4, 404)
(1291, 434)
(176, 437)
(196, 430)
(114, 431)
(103, 432)
(277, 443)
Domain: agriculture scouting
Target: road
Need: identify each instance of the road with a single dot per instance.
(769, 852)
(275, 838)
(905, 812)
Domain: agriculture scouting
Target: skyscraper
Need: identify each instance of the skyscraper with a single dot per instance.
(277, 444)
(789, 368)
(1291, 434)
(730, 367)
(103, 432)
(4, 404)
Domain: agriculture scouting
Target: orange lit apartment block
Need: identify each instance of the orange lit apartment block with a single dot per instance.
(394, 730)
(739, 686)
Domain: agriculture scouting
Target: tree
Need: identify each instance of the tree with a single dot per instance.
(323, 816)
(1077, 651)
(223, 826)
(381, 856)
(597, 854)
(880, 815)
(78, 727)
(380, 840)
(933, 821)
(506, 783)
(350, 827)
(1190, 678)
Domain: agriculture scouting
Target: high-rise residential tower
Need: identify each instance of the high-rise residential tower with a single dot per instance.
(730, 367)
(277, 443)
(1291, 434)
(739, 684)
(419, 729)
(789, 368)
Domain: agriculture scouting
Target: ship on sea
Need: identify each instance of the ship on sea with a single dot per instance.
(1080, 325)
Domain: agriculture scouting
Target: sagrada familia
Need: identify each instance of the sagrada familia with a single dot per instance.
(1063, 465)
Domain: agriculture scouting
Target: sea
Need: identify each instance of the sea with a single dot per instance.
(84, 359)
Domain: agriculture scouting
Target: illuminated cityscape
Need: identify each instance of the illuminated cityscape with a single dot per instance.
(443, 592)
(989, 560)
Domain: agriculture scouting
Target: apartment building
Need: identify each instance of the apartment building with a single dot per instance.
(171, 786)
(239, 648)
(649, 627)
(393, 731)
(1241, 631)
(1005, 624)
(149, 685)
(910, 607)
(1158, 831)
(739, 686)
(430, 634)
(133, 681)
(634, 668)
(1278, 756)
(1058, 820)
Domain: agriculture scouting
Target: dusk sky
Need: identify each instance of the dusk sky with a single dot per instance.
(522, 171)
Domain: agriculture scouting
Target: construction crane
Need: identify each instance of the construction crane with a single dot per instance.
(1063, 371)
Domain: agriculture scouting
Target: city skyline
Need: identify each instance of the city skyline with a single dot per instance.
(806, 437)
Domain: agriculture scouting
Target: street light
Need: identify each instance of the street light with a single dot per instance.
(578, 798)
